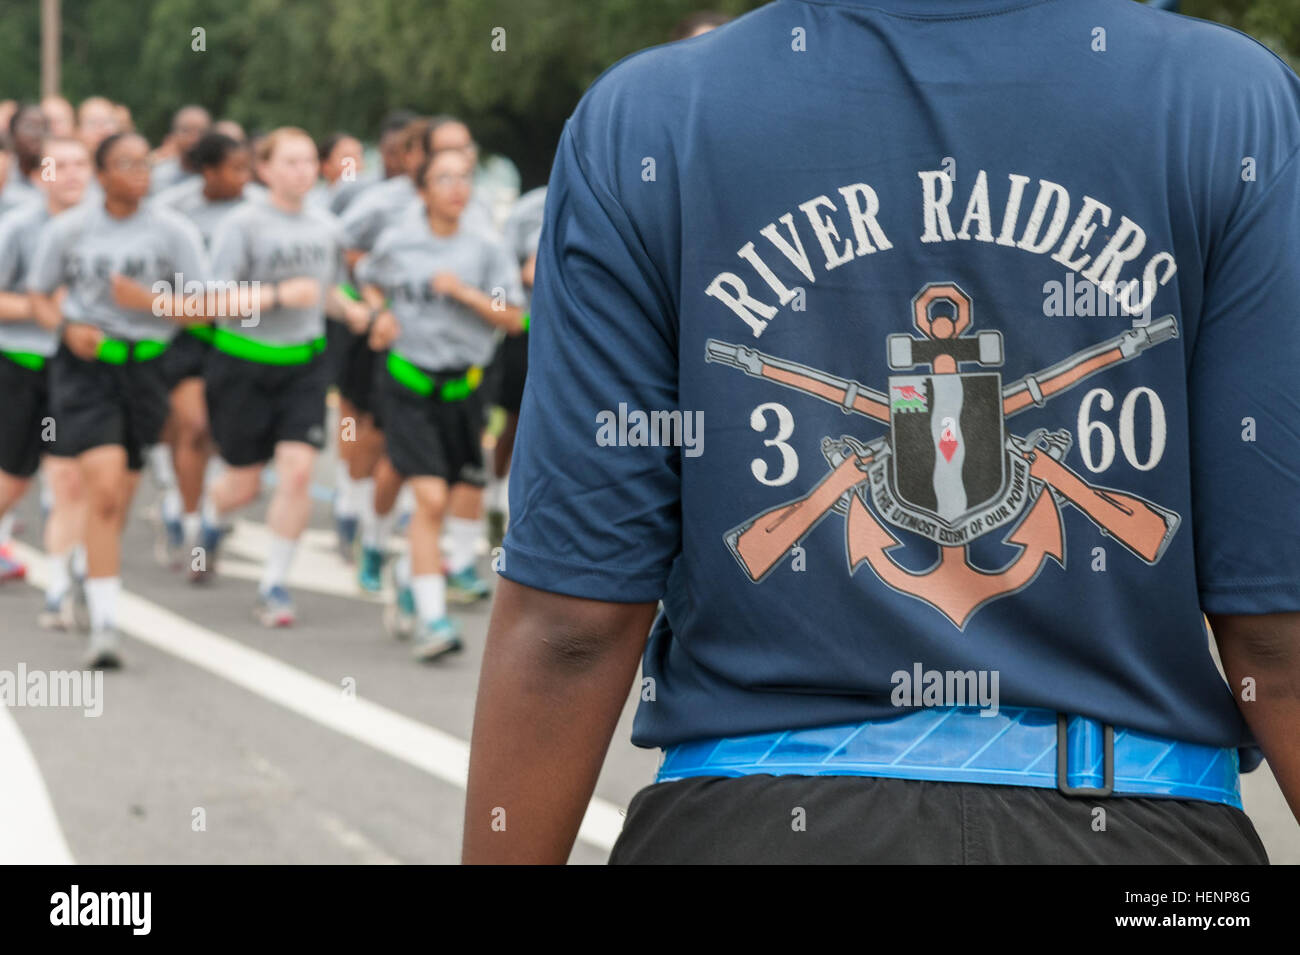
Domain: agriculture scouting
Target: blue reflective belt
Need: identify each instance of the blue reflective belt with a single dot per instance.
(1016, 747)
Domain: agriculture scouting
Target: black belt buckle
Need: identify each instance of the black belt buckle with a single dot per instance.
(1063, 761)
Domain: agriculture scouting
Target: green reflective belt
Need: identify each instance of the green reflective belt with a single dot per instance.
(202, 332)
(114, 351)
(265, 353)
(526, 321)
(423, 384)
(26, 359)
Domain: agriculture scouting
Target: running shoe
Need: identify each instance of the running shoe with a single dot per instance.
(399, 615)
(346, 528)
(104, 652)
(169, 544)
(433, 641)
(11, 568)
(68, 614)
(209, 543)
(275, 608)
(370, 572)
(466, 586)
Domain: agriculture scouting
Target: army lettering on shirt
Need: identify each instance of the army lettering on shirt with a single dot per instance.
(19, 234)
(85, 246)
(438, 333)
(261, 243)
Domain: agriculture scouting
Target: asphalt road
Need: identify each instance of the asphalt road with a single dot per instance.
(222, 742)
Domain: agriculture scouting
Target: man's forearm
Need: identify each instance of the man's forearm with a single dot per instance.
(1266, 651)
(553, 684)
(15, 307)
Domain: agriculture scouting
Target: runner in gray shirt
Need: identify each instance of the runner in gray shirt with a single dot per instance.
(354, 362)
(26, 439)
(451, 292)
(118, 261)
(522, 233)
(188, 126)
(266, 378)
(224, 167)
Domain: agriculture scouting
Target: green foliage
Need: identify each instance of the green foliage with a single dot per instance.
(1275, 23)
(341, 64)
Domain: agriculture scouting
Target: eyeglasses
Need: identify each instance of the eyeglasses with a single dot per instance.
(447, 179)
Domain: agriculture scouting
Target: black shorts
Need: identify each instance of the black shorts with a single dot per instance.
(252, 407)
(94, 404)
(512, 363)
(25, 423)
(357, 376)
(337, 341)
(866, 820)
(426, 437)
(185, 357)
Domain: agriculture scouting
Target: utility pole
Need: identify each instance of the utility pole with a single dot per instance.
(50, 34)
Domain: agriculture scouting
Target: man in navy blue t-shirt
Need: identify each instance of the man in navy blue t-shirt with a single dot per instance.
(934, 362)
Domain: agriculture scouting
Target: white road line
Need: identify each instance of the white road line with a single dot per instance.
(424, 747)
(29, 829)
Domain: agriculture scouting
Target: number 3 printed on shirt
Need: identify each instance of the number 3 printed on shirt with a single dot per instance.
(784, 428)
(1126, 440)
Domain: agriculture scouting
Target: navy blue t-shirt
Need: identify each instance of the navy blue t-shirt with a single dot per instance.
(1006, 291)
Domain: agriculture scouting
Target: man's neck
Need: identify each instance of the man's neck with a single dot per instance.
(443, 225)
(121, 208)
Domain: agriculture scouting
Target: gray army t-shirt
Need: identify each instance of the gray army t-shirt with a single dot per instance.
(19, 232)
(188, 199)
(260, 242)
(377, 208)
(83, 247)
(439, 333)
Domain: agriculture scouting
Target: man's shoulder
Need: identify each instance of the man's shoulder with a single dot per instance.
(24, 216)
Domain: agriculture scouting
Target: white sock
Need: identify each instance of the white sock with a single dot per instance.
(363, 496)
(191, 525)
(276, 571)
(101, 596)
(58, 578)
(430, 592)
(462, 542)
(375, 529)
(405, 506)
(47, 493)
(363, 503)
(402, 571)
(208, 512)
(78, 562)
(6, 528)
(344, 493)
(172, 507)
(160, 465)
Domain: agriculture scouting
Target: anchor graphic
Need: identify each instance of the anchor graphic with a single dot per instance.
(948, 470)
